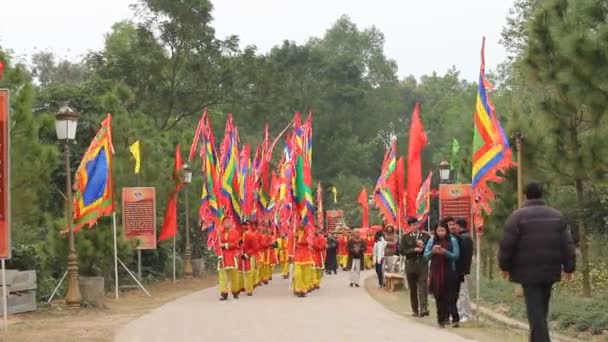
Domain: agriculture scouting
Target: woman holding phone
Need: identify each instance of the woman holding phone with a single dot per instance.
(443, 251)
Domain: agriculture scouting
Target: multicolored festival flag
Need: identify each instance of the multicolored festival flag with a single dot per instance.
(385, 190)
(209, 212)
(423, 200)
(303, 192)
(229, 191)
(491, 149)
(363, 200)
(93, 182)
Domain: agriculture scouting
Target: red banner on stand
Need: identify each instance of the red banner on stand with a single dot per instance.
(139, 215)
(455, 200)
(5, 208)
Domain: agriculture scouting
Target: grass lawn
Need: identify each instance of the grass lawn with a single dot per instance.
(399, 303)
(584, 318)
(57, 324)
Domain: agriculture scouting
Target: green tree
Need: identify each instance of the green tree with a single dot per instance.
(566, 54)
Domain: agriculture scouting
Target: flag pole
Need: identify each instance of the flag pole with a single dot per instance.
(4, 297)
(174, 259)
(478, 271)
(115, 255)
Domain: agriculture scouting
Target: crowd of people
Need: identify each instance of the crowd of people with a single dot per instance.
(436, 262)
(536, 249)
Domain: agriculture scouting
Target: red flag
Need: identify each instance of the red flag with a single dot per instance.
(169, 228)
(363, 199)
(414, 160)
(400, 182)
(1, 69)
(200, 130)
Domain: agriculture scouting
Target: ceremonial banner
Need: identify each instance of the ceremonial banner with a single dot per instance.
(5, 208)
(139, 215)
(455, 200)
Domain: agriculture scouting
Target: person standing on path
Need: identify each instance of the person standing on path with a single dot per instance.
(390, 260)
(367, 256)
(300, 254)
(535, 251)
(331, 263)
(250, 248)
(342, 250)
(416, 267)
(378, 256)
(443, 251)
(356, 250)
(229, 260)
(458, 227)
(319, 250)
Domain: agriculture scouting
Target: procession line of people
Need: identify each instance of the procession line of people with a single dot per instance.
(248, 256)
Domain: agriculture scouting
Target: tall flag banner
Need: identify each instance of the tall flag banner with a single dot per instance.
(423, 200)
(210, 212)
(399, 187)
(491, 149)
(93, 182)
(169, 228)
(385, 190)
(229, 190)
(200, 128)
(246, 184)
(135, 150)
(320, 217)
(363, 200)
(264, 181)
(417, 142)
(285, 201)
(303, 192)
(1, 69)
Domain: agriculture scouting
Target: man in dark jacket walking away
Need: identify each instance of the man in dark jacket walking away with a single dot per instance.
(462, 301)
(535, 251)
(416, 267)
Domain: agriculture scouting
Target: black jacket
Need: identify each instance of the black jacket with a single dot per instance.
(463, 265)
(537, 245)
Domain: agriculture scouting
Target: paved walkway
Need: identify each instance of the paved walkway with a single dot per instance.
(334, 313)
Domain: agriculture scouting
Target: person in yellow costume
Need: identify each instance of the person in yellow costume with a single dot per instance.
(250, 249)
(283, 258)
(319, 255)
(301, 256)
(369, 241)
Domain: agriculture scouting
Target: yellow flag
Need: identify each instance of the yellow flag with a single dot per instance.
(334, 191)
(135, 151)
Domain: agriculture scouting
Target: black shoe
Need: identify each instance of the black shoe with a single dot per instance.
(425, 313)
(351, 284)
(455, 325)
(441, 325)
(356, 285)
(235, 296)
(224, 297)
(415, 314)
(249, 294)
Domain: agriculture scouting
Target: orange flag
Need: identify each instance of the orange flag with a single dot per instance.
(169, 228)
(364, 201)
(414, 160)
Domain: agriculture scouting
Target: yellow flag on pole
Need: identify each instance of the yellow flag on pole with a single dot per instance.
(135, 151)
(334, 192)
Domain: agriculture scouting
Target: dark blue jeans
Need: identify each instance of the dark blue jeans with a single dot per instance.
(380, 273)
(537, 305)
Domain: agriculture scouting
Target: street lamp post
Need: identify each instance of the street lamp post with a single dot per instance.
(188, 251)
(66, 121)
(444, 171)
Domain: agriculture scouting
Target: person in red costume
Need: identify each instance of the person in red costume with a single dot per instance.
(261, 257)
(319, 249)
(229, 259)
(300, 254)
(250, 251)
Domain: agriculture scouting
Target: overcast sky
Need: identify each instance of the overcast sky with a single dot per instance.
(421, 35)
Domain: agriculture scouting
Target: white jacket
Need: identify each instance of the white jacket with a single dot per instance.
(379, 247)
